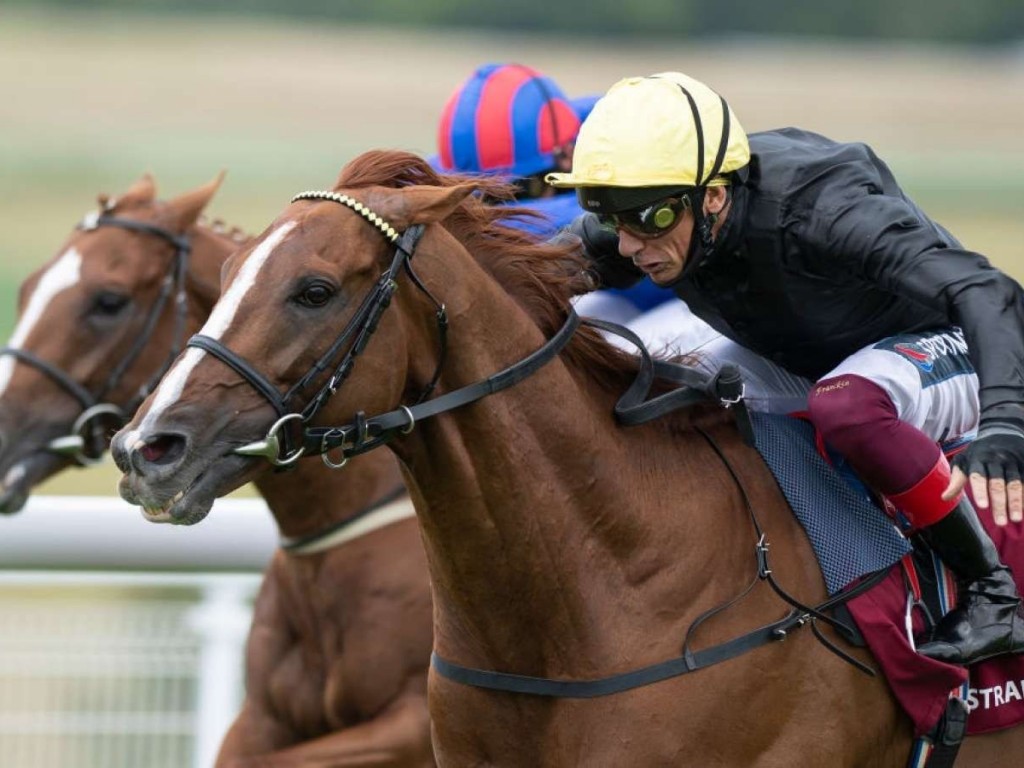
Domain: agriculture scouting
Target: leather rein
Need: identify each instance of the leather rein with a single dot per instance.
(86, 442)
(633, 407)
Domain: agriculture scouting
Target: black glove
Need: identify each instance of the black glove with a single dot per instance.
(601, 247)
(997, 452)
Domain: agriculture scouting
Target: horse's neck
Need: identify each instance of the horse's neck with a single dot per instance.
(311, 498)
(536, 501)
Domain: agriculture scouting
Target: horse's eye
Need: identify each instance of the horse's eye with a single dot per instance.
(109, 303)
(315, 295)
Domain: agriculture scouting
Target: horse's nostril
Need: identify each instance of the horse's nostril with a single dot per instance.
(156, 451)
(162, 449)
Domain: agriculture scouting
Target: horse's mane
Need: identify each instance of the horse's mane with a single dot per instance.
(219, 227)
(540, 276)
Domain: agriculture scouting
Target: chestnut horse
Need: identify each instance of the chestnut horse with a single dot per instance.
(338, 652)
(561, 545)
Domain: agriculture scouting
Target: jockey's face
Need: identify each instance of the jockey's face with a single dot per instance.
(663, 258)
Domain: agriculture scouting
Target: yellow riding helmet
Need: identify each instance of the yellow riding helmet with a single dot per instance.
(666, 131)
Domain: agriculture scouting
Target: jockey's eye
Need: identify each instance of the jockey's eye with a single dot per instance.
(315, 294)
(109, 303)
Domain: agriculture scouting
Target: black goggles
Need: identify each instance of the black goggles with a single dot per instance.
(649, 221)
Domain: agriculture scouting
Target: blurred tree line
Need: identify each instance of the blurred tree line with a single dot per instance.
(966, 21)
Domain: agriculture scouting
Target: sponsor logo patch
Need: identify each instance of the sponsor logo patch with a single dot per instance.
(916, 354)
(1000, 695)
(937, 356)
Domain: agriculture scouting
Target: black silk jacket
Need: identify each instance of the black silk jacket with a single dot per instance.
(822, 254)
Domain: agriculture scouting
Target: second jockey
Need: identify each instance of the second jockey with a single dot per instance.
(511, 120)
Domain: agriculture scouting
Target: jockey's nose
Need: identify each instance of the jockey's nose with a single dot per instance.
(149, 455)
(629, 245)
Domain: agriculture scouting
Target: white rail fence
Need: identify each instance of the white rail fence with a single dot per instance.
(121, 641)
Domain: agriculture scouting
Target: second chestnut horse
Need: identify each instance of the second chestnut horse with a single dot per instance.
(338, 651)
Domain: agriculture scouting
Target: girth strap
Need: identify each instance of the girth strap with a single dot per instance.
(690, 661)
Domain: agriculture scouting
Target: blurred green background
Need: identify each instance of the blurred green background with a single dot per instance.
(980, 21)
(91, 97)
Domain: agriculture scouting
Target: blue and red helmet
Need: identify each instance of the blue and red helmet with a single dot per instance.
(505, 119)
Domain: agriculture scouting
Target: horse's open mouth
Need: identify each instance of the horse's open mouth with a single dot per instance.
(170, 511)
(193, 503)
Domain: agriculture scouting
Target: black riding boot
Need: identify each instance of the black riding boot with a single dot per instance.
(987, 620)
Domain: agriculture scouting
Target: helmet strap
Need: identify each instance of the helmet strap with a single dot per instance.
(707, 237)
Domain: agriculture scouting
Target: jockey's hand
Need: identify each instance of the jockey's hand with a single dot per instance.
(601, 247)
(994, 463)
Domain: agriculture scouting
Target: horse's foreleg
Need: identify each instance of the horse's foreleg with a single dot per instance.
(397, 738)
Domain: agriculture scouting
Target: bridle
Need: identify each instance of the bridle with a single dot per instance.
(86, 441)
(335, 445)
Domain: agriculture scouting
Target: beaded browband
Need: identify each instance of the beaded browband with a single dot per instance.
(389, 232)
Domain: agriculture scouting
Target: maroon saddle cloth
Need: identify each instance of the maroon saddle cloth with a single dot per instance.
(993, 689)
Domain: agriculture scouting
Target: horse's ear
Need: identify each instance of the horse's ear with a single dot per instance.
(425, 205)
(184, 210)
(144, 189)
(142, 192)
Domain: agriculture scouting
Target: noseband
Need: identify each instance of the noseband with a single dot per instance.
(85, 443)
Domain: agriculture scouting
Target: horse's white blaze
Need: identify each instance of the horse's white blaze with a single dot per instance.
(173, 384)
(61, 275)
(224, 311)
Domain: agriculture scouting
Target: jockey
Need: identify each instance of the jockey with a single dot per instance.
(807, 252)
(511, 120)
